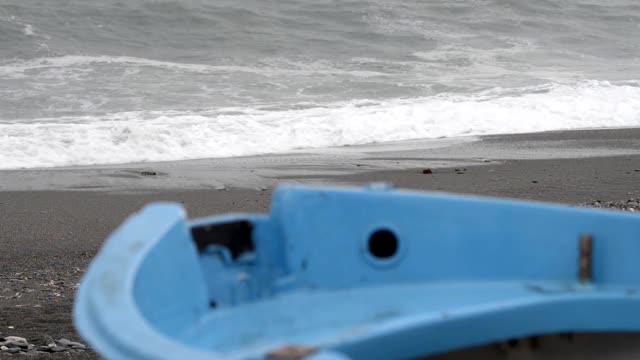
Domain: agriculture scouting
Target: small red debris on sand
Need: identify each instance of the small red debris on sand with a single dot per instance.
(291, 352)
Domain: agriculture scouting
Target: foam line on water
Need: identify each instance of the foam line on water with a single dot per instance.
(270, 67)
(159, 136)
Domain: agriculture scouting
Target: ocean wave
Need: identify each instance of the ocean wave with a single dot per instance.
(176, 135)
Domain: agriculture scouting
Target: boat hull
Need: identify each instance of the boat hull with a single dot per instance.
(340, 273)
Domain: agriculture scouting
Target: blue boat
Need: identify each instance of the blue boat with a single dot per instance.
(374, 273)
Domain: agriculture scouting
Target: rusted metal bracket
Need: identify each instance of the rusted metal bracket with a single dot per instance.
(585, 265)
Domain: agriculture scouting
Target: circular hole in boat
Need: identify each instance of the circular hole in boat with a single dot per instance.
(383, 244)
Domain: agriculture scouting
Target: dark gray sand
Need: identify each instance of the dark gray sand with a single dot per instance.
(48, 237)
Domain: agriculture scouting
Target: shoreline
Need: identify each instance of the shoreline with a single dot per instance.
(328, 164)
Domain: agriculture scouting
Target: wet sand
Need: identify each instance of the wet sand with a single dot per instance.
(52, 222)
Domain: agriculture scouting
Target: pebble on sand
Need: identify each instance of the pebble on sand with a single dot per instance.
(631, 205)
(16, 344)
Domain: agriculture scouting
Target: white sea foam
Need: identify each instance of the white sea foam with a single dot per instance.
(28, 30)
(270, 67)
(155, 136)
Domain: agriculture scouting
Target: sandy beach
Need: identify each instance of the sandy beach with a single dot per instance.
(53, 221)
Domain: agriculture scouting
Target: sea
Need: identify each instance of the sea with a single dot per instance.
(86, 82)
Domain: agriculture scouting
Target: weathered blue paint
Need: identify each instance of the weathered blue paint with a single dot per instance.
(467, 271)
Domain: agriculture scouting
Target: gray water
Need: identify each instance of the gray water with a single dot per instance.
(83, 59)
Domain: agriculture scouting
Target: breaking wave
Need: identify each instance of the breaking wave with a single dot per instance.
(176, 135)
